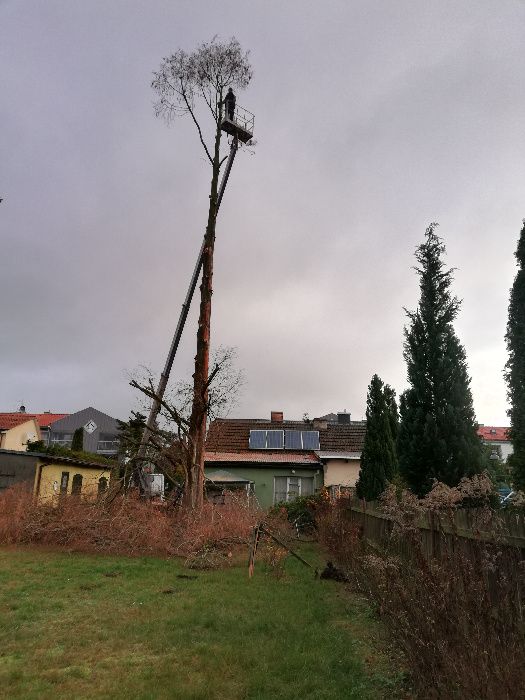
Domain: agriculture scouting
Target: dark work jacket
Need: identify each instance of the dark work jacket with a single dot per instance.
(229, 101)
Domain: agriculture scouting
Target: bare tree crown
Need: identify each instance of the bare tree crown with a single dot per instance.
(185, 78)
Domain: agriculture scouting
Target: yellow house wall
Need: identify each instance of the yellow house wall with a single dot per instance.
(16, 438)
(340, 472)
(51, 473)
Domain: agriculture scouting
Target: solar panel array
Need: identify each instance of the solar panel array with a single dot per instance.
(275, 439)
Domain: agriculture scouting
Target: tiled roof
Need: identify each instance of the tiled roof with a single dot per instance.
(232, 434)
(490, 433)
(348, 437)
(43, 419)
(11, 420)
(262, 457)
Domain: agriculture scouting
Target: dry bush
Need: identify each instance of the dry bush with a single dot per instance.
(221, 526)
(128, 525)
(456, 616)
(274, 556)
(276, 521)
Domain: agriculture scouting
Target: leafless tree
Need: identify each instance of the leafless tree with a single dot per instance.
(195, 84)
(170, 447)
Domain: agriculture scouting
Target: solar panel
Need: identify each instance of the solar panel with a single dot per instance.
(257, 439)
(310, 439)
(275, 439)
(293, 440)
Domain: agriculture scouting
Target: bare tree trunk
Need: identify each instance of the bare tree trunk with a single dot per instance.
(194, 492)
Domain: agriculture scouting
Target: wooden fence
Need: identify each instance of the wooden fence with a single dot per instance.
(465, 528)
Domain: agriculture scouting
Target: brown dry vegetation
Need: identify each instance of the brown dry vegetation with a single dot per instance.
(456, 617)
(128, 525)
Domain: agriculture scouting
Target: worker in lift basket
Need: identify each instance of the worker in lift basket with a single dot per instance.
(229, 101)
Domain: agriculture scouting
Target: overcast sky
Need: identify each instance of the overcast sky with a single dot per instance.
(373, 119)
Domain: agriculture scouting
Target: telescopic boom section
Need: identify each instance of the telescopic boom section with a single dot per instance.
(164, 377)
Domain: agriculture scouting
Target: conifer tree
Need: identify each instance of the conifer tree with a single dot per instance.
(393, 413)
(515, 367)
(378, 459)
(437, 436)
(77, 443)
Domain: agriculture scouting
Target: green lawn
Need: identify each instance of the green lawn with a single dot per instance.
(77, 626)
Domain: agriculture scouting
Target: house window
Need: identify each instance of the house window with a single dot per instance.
(288, 488)
(107, 443)
(62, 439)
(64, 482)
(102, 485)
(76, 485)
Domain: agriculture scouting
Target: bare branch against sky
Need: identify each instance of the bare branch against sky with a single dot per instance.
(373, 119)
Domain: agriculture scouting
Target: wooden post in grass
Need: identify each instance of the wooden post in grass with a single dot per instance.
(257, 531)
(255, 543)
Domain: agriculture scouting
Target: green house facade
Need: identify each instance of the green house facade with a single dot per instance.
(270, 483)
(278, 460)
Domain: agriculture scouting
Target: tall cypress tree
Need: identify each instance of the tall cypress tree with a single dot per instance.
(437, 436)
(515, 367)
(378, 459)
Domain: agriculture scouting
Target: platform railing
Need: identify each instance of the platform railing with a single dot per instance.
(243, 118)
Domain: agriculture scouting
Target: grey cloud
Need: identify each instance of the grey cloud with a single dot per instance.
(372, 119)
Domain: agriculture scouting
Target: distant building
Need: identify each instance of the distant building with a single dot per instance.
(49, 477)
(17, 439)
(100, 434)
(45, 421)
(497, 437)
(16, 430)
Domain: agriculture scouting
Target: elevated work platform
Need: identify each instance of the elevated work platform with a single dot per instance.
(241, 125)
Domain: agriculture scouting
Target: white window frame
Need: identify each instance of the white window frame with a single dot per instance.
(300, 484)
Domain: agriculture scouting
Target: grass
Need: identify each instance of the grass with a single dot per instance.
(76, 626)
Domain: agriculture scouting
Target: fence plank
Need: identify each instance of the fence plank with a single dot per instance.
(463, 527)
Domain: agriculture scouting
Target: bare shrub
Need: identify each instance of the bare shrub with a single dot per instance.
(222, 526)
(128, 525)
(274, 556)
(339, 534)
(457, 615)
(277, 522)
(15, 508)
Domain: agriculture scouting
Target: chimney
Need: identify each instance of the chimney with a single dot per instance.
(22, 409)
(277, 416)
(343, 418)
(320, 424)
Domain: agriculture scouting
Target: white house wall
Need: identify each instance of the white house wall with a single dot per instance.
(341, 472)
